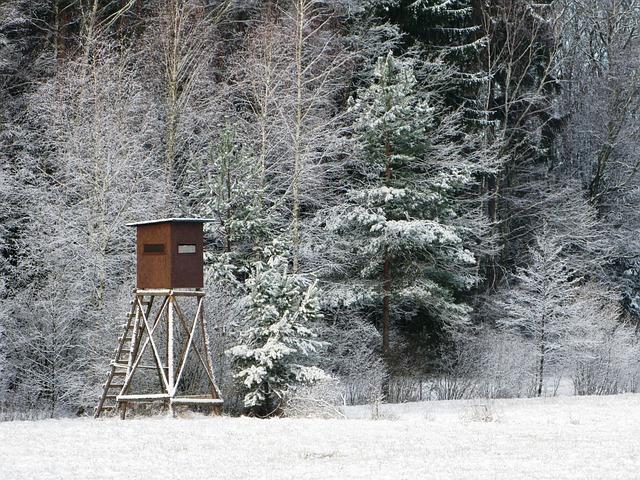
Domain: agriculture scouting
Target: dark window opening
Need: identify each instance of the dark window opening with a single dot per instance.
(188, 248)
(153, 248)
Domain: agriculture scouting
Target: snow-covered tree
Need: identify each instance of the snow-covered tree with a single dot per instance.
(288, 79)
(540, 306)
(401, 217)
(600, 351)
(278, 338)
(226, 185)
(180, 50)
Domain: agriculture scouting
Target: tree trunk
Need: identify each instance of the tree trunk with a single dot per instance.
(541, 362)
(540, 372)
(386, 299)
(62, 19)
(172, 58)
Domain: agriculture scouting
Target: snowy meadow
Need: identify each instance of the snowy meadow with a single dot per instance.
(543, 438)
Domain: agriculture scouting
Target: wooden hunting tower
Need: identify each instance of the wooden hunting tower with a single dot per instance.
(159, 333)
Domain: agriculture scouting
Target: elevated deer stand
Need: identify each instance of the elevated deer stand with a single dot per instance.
(158, 334)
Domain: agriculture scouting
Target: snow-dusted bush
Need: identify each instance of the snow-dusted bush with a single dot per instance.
(612, 368)
(354, 358)
(601, 353)
(480, 412)
(574, 332)
(452, 387)
(604, 357)
(322, 399)
(407, 388)
(491, 364)
(540, 307)
(505, 365)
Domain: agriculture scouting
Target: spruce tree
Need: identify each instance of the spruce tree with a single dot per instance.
(277, 339)
(402, 218)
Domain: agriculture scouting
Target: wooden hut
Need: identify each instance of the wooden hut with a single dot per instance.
(169, 253)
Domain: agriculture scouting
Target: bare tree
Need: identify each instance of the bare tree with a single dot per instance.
(290, 76)
(538, 307)
(182, 45)
(96, 172)
(601, 45)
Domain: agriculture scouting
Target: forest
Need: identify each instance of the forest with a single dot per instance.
(413, 199)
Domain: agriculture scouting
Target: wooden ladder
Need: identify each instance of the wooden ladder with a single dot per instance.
(120, 366)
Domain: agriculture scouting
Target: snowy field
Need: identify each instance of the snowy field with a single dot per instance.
(554, 438)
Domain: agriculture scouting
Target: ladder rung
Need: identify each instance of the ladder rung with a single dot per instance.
(113, 385)
(119, 365)
(119, 374)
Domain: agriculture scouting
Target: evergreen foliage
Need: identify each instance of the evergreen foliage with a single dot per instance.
(401, 221)
(277, 339)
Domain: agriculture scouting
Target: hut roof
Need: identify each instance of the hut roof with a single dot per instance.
(171, 220)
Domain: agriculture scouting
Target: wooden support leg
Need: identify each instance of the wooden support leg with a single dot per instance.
(215, 409)
(170, 365)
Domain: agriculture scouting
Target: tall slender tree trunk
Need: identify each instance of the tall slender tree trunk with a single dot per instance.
(386, 269)
(483, 17)
(227, 231)
(387, 279)
(62, 18)
(297, 142)
(89, 28)
(172, 72)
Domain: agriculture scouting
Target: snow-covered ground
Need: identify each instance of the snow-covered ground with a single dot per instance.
(553, 438)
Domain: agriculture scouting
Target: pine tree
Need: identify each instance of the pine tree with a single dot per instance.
(270, 359)
(402, 220)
